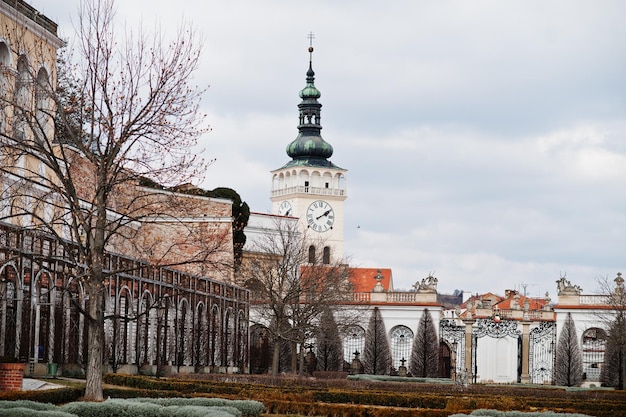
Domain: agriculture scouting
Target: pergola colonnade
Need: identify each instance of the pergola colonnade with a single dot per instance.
(157, 319)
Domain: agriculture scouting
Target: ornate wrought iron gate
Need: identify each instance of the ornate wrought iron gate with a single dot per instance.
(455, 337)
(542, 353)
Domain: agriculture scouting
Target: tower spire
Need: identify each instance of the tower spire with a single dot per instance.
(309, 148)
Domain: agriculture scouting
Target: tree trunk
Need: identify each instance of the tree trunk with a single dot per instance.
(294, 358)
(95, 343)
(276, 357)
(95, 289)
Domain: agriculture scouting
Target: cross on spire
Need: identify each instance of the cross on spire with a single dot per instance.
(311, 36)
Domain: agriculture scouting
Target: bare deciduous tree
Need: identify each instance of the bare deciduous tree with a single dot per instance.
(614, 319)
(377, 353)
(425, 351)
(131, 116)
(288, 289)
(568, 369)
(612, 373)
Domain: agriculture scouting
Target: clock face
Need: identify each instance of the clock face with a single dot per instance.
(285, 208)
(320, 216)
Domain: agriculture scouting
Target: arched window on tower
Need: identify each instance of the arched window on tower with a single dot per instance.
(341, 183)
(326, 258)
(311, 254)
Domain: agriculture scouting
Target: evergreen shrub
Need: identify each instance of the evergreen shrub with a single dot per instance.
(29, 412)
(243, 407)
(117, 408)
(132, 408)
(197, 411)
(31, 405)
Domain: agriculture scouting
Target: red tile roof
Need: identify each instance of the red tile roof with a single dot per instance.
(533, 303)
(363, 279)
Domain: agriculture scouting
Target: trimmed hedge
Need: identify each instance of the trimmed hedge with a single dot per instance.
(245, 407)
(130, 408)
(307, 397)
(53, 396)
(347, 410)
(180, 386)
(496, 413)
(31, 405)
(28, 412)
(407, 379)
(180, 407)
(382, 399)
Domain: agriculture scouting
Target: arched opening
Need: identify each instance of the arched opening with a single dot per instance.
(143, 354)
(401, 344)
(8, 311)
(594, 346)
(44, 122)
(312, 254)
(445, 360)
(353, 344)
(22, 99)
(5, 73)
(122, 342)
(42, 338)
(260, 350)
(241, 344)
(215, 339)
(229, 338)
(182, 336)
(200, 336)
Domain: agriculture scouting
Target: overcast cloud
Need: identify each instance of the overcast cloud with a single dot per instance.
(485, 141)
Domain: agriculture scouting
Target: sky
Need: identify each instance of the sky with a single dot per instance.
(485, 141)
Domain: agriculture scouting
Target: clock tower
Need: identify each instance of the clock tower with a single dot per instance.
(310, 187)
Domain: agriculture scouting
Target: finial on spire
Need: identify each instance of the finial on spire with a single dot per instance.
(311, 36)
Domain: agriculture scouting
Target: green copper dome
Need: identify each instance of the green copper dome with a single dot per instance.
(309, 148)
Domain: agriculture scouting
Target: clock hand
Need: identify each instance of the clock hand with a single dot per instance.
(323, 214)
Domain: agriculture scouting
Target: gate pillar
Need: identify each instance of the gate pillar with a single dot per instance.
(469, 360)
(525, 377)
